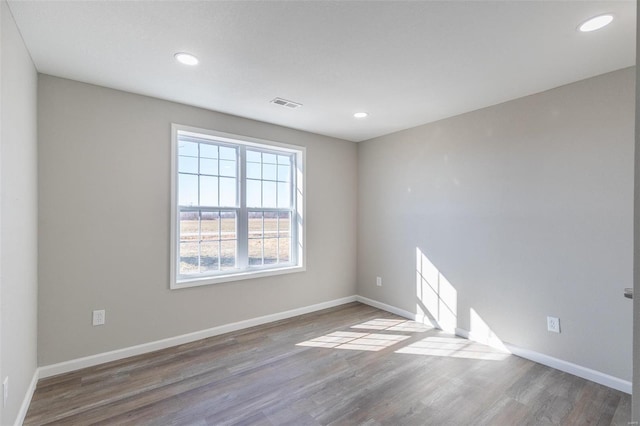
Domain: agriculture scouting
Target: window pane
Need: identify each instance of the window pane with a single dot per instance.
(228, 191)
(209, 222)
(270, 246)
(187, 164)
(254, 156)
(268, 194)
(208, 151)
(187, 148)
(208, 191)
(208, 166)
(255, 224)
(269, 172)
(284, 251)
(227, 168)
(284, 160)
(188, 258)
(208, 184)
(255, 252)
(209, 256)
(284, 199)
(269, 158)
(284, 224)
(228, 226)
(189, 223)
(187, 190)
(227, 153)
(254, 198)
(253, 171)
(227, 254)
(284, 173)
(270, 225)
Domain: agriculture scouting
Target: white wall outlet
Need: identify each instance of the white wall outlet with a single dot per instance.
(553, 324)
(99, 317)
(379, 281)
(5, 391)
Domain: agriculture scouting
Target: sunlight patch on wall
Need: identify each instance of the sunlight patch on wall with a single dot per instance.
(437, 299)
(480, 332)
(452, 347)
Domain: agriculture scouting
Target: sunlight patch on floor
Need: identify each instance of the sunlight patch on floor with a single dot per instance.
(393, 325)
(355, 341)
(454, 348)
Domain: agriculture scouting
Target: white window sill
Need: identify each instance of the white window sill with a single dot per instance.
(237, 276)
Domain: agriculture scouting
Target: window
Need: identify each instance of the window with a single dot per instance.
(237, 207)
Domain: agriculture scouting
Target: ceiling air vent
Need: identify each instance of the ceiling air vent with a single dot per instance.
(286, 103)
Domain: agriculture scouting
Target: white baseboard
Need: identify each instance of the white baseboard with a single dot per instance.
(400, 312)
(549, 361)
(571, 368)
(461, 332)
(559, 364)
(388, 308)
(26, 401)
(89, 361)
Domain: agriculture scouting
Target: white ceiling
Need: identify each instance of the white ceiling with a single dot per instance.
(406, 63)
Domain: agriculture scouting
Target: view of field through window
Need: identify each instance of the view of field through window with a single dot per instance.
(269, 237)
(210, 203)
(208, 241)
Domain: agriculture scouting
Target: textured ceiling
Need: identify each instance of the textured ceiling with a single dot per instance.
(405, 63)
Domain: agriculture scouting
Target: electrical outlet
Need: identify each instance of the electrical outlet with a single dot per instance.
(553, 324)
(379, 281)
(99, 317)
(5, 391)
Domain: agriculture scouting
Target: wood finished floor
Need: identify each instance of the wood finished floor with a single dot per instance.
(349, 365)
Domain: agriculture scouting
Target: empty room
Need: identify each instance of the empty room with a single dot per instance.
(318, 213)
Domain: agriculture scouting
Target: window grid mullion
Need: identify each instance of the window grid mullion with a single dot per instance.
(219, 216)
(293, 208)
(261, 179)
(198, 177)
(199, 217)
(262, 239)
(218, 177)
(199, 241)
(277, 183)
(242, 227)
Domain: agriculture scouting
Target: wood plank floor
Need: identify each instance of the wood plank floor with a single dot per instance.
(353, 364)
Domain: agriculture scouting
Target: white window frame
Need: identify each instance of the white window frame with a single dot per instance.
(298, 231)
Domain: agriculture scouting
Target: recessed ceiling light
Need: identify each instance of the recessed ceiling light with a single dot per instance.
(596, 23)
(360, 115)
(186, 58)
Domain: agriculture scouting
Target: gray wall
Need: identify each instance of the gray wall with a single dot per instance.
(104, 206)
(525, 208)
(18, 213)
